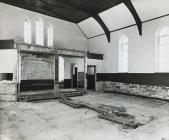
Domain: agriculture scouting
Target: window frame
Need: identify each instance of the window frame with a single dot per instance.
(39, 31)
(121, 54)
(50, 35)
(27, 31)
(158, 49)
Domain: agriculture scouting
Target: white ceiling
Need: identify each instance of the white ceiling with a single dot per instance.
(90, 27)
(148, 9)
(119, 16)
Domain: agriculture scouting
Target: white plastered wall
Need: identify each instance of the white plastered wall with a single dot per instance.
(68, 63)
(8, 62)
(142, 50)
(66, 34)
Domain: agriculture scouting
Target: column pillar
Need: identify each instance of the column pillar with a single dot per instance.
(85, 72)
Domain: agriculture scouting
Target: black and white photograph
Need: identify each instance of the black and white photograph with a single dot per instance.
(84, 69)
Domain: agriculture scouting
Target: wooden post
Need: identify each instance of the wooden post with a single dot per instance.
(85, 72)
(57, 75)
(18, 75)
(53, 68)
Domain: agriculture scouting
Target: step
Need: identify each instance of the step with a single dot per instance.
(73, 94)
(36, 97)
(69, 91)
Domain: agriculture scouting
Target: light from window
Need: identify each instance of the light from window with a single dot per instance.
(39, 32)
(27, 31)
(123, 54)
(50, 35)
(163, 50)
(61, 69)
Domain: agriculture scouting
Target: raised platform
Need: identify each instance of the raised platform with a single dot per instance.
(71, 92)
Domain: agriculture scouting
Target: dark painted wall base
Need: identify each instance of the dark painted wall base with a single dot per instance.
(35, 85)
(67, 83)
(153, 79)
(140, 96)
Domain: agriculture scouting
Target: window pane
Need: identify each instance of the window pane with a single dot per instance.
(123, 54)
(125, 40)
(27, 31)
(125, 47)
(164, 50)
(90, 70)
(164, 40)
(50, 35)
(164, 67)
(164, 31)
(164, 59)
(39, 32)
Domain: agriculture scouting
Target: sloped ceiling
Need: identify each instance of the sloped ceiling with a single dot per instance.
(119, 16)
(70, 10)
(148, 9)
(114, 18)
(112, 14)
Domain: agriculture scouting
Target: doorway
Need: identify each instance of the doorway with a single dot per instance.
(91, 77)
(74, 76)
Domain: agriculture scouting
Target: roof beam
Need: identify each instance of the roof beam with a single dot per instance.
(104, 27)
(133, 11)
(91, 14)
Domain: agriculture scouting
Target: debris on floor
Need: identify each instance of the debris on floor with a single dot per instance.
(70, 103)
(52, 120)
(112, 108)
(110, 113)
(129, 122)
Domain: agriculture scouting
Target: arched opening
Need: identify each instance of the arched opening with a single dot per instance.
(50, 35)
(163, 50)
(39, 32)
(123, 54)
(27, 31)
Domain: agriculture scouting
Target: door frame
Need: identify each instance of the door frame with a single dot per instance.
(72, 67)
(94, 75)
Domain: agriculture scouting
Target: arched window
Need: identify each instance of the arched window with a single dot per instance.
(163, 50)
(27, 31)
(123, 54)
(39, 32)
(50, 35)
